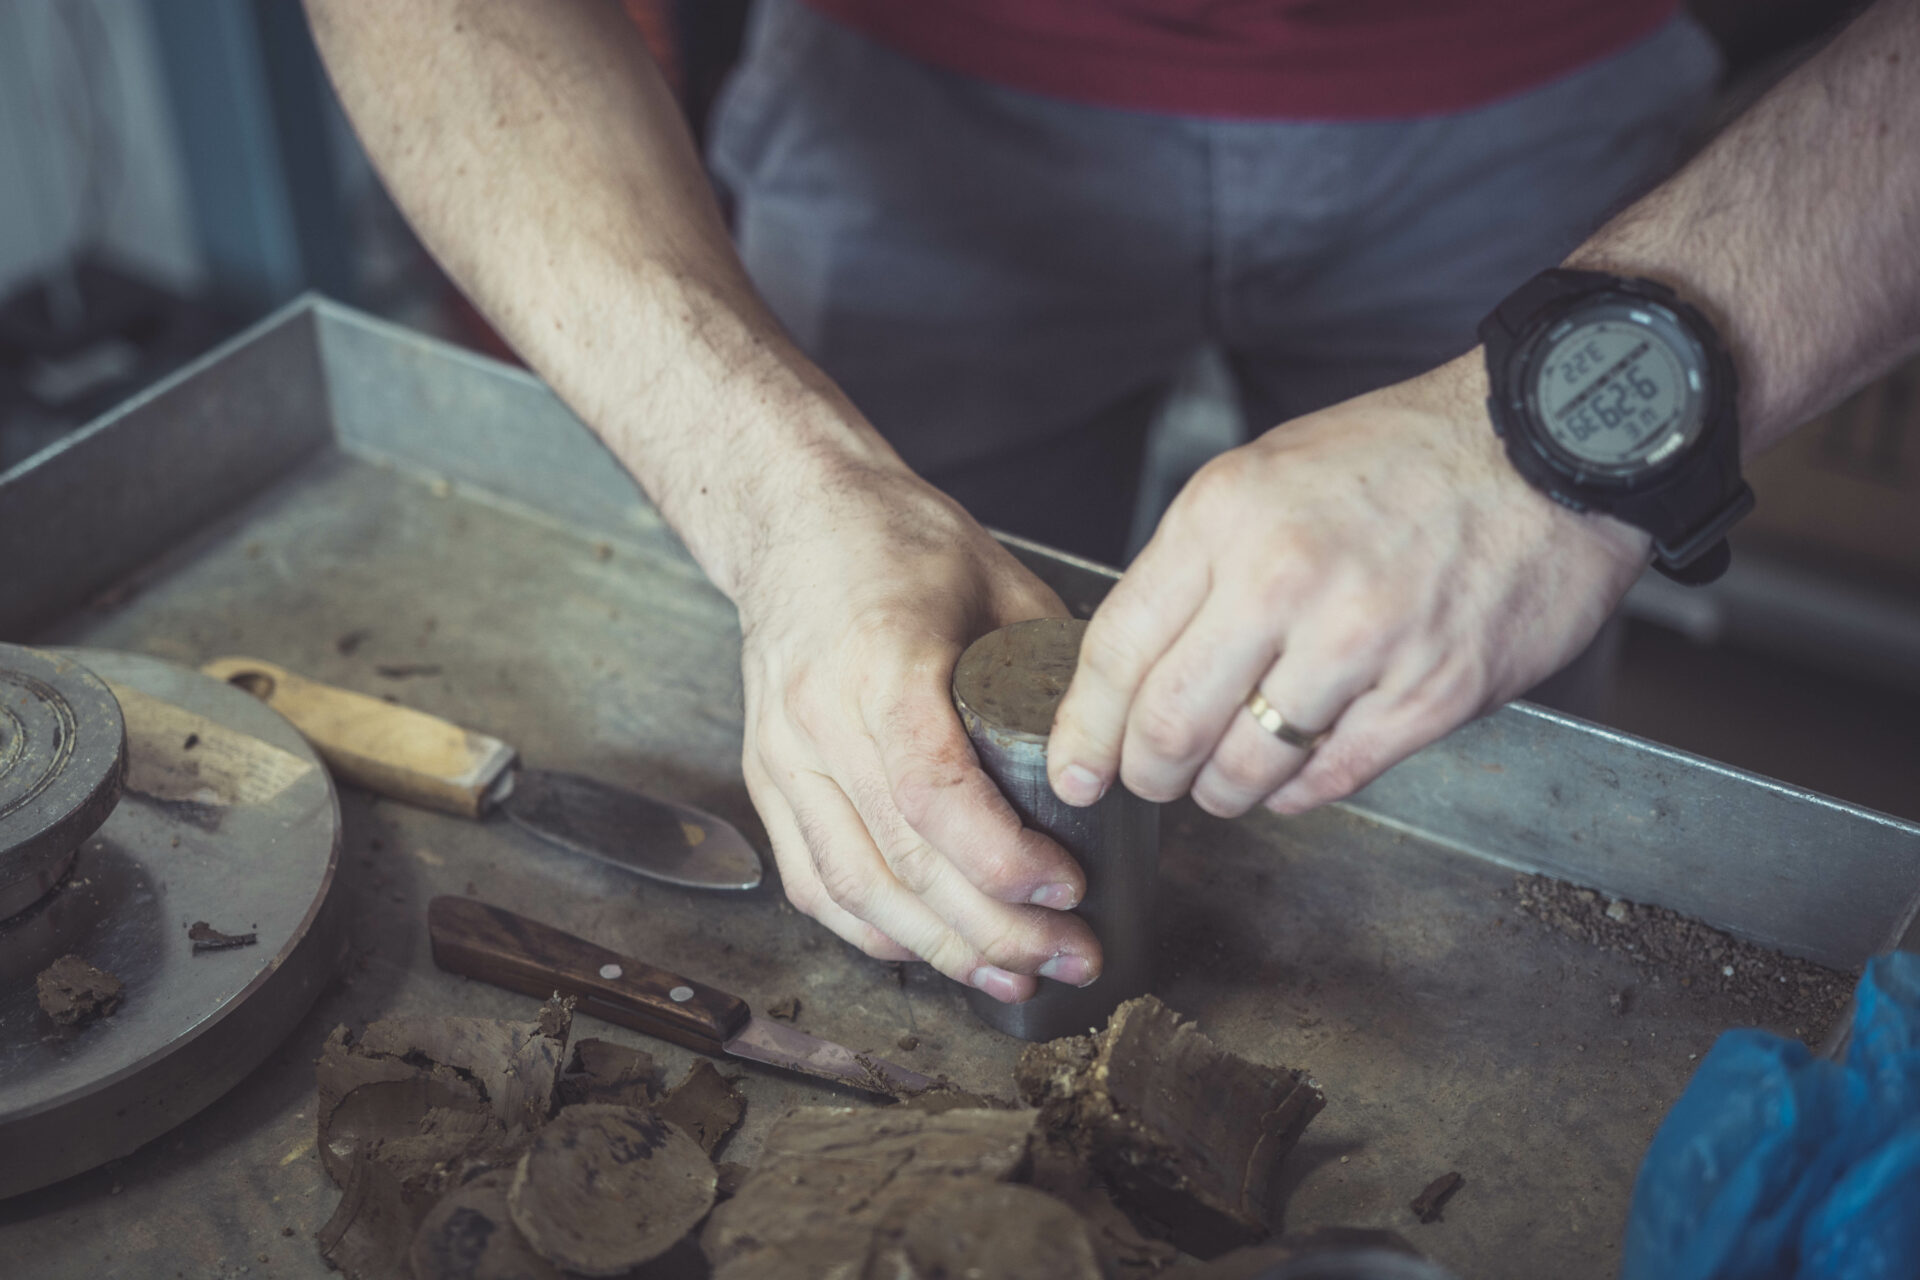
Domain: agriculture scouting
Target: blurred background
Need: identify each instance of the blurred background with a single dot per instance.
(173, 170)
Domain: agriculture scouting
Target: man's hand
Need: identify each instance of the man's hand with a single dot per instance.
(1377, 570)
(884, 826)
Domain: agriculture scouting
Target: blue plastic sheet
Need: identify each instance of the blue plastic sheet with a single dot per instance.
(1777, 1165)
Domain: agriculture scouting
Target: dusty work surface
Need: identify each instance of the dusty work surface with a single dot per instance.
(1449, 1031)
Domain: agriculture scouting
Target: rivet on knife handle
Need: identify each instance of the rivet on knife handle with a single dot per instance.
(401, 753)
(495, 945)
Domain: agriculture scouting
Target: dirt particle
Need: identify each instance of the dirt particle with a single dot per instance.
(908, 1043)
(207, 938)
(1774, 990)
(406, 670)
(1427, 1205)
(786, 1008)
(74, 993)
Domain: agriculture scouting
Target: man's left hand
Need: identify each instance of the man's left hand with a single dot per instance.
(1378, 571)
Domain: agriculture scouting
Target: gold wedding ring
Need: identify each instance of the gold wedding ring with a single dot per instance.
(1274, 723)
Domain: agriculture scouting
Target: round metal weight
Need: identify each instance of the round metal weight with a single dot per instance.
(227, 816)
(62, 752)
(1006, 687)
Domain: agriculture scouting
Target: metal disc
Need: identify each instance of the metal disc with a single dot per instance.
(62, 748)
(228, 817)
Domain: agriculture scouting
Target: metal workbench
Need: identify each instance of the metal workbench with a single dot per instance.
(325, 474)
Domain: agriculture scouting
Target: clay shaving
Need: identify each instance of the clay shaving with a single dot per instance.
(485, 1149)
(74, 993)
(1427, 1205)
(207, 938)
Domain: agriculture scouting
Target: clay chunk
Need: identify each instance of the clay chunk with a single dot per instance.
(368, 1233)
(516, 1064)
(705, 1104)
(602, 1071)
(74, 993)
(1123, 1252)
(829, 1177)
(469, 1235)
(981, 1229)
(604, 1189)
(1185, 1134)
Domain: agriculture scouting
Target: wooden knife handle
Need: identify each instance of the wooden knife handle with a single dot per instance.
(495, 945)
(401, 753)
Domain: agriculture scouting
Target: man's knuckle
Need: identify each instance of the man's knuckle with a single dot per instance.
(805, 896)
(1243, 772)
(848, 888)
(1166, 732)
(1109, 654)
(915, 864)
(996, 872)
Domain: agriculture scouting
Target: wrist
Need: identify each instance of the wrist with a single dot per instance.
(1464, 396)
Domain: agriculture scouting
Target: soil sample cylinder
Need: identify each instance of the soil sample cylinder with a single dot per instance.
(1006, 687)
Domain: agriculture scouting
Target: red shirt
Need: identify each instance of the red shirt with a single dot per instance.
(1275, 59)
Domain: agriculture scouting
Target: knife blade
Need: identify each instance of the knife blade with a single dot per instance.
(421, 759)
(509, 950)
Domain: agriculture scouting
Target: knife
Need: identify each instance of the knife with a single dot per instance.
(495, 945)
(420, 759)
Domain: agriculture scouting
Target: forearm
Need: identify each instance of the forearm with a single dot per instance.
(1798, 228)
(541, 157)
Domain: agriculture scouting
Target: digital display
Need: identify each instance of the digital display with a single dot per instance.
(1614, 393)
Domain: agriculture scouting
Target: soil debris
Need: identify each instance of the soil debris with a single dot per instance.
(418, 1107)
(830, 1177)
(406, 670)
(516, 1065)
(786, 1008)
(470, 1235)
(347, 641)
(74, 993)
(983, 1229)
(602, 1071)
(1427, 1205)
(1778, 991)
(371, 1227)
(207, 938)
(604, 1189)
(908, 1043)
(705, 1105)
(1123, 1252)
(1185, 1134)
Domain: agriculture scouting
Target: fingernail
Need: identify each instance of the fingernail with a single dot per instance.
(1079, 785)
(1060, 897)
(1070, 969)
(998, 983)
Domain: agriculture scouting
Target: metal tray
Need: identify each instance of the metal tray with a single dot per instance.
(325, 474)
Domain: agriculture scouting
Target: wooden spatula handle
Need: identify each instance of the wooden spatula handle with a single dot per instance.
(495, 945)
(401, 753)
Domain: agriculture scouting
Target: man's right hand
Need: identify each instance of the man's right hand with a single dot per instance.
(883, 825)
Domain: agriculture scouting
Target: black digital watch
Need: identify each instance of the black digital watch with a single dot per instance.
(1613, 395)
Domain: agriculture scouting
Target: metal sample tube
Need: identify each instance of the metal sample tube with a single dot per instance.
(1006, 687)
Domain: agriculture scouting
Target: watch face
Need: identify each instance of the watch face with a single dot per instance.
(1618, 389)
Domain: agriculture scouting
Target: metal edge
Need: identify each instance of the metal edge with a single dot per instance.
(189, 449)
(308, 302)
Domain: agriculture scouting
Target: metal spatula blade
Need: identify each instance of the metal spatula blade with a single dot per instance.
(664, 840)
